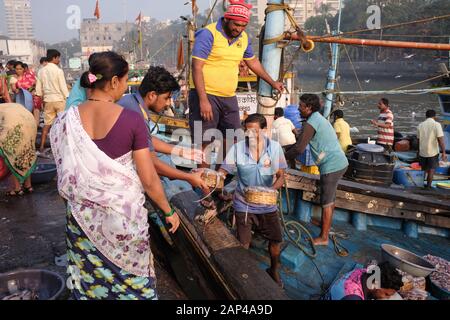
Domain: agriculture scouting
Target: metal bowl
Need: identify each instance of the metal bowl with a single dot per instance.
(44, 173)
(46, 284)
(406, 261)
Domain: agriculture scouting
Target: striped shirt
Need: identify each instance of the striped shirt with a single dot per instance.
(386, 135)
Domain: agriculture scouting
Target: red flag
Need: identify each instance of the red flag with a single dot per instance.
(194, 8)
(139, 18)
(97, 11)
(180, 55)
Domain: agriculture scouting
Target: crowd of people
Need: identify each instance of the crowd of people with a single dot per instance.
(107, 156)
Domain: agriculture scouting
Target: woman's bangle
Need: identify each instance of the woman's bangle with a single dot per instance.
(171, 213)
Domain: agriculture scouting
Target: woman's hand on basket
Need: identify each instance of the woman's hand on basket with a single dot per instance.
(174, 221)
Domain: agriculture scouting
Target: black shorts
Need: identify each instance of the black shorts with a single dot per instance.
(266, 224)
(225, 116)
(429, 163)
(328, 186)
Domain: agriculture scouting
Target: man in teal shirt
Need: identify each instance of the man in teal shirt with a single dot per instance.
(328, 155)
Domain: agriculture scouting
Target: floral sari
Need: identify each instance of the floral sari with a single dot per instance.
(107, 234)
(17, 139)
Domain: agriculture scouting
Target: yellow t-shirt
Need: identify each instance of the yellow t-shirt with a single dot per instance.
(221, 57)
(343, 129)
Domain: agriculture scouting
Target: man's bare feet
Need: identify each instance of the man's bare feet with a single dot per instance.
(275, 276)
(320, 241)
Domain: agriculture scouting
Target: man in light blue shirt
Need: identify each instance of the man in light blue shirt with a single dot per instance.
(328, 155)
(258, 162)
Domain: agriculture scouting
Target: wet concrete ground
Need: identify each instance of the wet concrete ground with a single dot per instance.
(32, 234)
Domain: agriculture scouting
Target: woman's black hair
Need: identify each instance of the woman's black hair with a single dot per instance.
(257, 118)
(19, 63)
(390, 277)
(42, 60)
(159, 80)
(385, 101)
(105, 66)
(312, 101)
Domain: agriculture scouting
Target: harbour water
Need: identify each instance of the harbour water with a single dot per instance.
(409, 110)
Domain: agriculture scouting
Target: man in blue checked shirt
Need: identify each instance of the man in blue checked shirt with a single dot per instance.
(258, 162)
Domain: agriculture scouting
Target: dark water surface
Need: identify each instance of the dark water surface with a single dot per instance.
(409, 110)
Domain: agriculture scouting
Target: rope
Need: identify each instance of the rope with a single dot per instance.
(296, 242)
(298, 227)
(388, 26)
(353, 68)
(410, 85)
(288, 10)
(210, 13)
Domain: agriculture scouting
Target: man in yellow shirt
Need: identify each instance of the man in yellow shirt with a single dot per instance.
(342, 129)
(431, 137)
(217, 52)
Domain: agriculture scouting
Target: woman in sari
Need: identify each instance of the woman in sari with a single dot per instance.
(104, 165)
(17, 145)
(26, 80)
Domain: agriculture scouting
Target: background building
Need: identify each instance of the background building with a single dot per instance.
(25, 50)
(98, 37)
(304, 9)
(19, 20)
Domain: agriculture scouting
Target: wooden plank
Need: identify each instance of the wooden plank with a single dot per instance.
(239, 270)
(302, 181)
(232, 266)
(385, 202)
(437, 221)
(376, 208)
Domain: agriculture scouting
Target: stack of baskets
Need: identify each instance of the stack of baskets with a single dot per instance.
(213, 179)
(261, 195)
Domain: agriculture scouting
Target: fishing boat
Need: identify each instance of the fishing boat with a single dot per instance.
(367, 216)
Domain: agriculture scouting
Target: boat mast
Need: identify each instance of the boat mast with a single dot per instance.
(271, 59)
(331, 82)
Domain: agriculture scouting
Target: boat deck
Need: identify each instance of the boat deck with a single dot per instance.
(300, 276)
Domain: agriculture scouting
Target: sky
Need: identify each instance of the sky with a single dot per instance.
(49, 16)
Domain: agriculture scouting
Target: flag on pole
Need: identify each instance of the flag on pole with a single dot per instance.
(97, 11)
(139, 23)
(194, 8)
(180, 55)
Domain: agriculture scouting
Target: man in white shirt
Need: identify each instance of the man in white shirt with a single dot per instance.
(431, 137)
(283, 129)
(52, 87)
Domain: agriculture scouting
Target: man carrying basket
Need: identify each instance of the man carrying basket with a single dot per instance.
(259, 164)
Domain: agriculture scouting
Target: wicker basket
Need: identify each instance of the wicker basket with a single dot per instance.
(261, 195)
(213, 178)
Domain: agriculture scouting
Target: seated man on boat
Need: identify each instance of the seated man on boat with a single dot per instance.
(155, 94)
(385, 125)
(357, 284)
(258, 162)
(217, 52)
(327, 154)
(342, 129)
(283, 129)
(431, 137)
